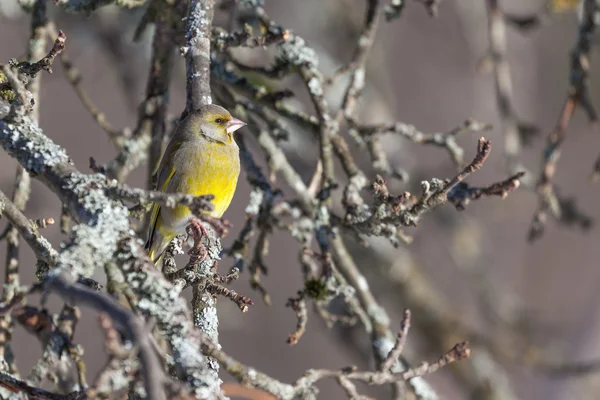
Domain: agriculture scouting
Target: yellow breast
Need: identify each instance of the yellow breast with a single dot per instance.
(213, 169)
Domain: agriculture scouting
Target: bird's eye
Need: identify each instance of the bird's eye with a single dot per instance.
(219, 120)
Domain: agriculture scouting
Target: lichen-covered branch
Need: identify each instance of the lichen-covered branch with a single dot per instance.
(197, 53)
(90, 248)
(153, 377)
(388, 213)
(35, 51)
(161, 346)
(145, 197)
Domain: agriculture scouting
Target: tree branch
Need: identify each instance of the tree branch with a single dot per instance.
(197, 53)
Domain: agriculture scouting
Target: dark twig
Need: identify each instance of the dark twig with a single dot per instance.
(567, 370)
(578, 95)
(298, 304)
(224, 40)
(242, 301)
(34, 393)
(32, 69)
(391, 358)
(462, 194)
(152, 118)
(65, 220)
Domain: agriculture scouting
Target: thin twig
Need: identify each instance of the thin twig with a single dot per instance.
(578, 96)
(400, 343)
(502, 79)
(33, 68)
(299, 306)
(445, 140)
(74, 77)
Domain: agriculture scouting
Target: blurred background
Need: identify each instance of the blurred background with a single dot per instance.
(468, 275)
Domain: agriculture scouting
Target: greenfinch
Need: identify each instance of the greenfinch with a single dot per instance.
(562, 6)
(201, 158)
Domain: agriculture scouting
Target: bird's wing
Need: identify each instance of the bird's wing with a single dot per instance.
(166, 173)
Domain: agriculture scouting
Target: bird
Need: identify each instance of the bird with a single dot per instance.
(201, 158)
(563, 6)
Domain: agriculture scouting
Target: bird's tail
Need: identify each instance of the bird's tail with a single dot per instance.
(158, 239)
(156, 247)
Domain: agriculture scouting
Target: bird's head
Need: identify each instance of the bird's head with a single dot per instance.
(215, 123)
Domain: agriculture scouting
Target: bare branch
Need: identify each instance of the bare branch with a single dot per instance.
(445, 140)
(29, 231)
(299, 306)
(391, 358)
(578, 95)
(32, 69)
(390, 212)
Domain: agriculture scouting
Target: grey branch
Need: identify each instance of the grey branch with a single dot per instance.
(28, 231)
(62, 283)
(305, 386)
(197, 53)
(102, 236)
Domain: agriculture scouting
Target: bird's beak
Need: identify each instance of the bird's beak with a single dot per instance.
(234, 124)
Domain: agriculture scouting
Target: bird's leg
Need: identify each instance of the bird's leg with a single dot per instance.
(197, 231)
(219, 225)
(197, 228)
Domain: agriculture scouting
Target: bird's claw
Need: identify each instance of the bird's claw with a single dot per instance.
(197, 231)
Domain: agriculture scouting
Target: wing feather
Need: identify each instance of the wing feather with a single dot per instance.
(166, 173)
